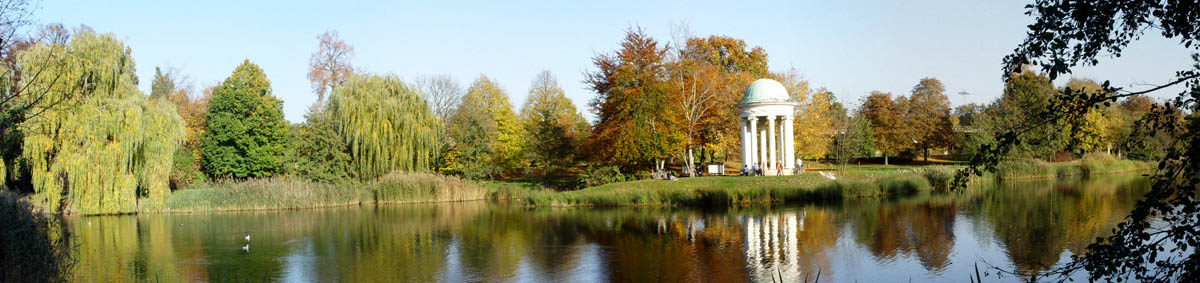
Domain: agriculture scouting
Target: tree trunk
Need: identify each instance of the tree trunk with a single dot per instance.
(690, 163)
(926, 155)
(885, 159)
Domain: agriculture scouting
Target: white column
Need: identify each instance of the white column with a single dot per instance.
(752, 140)
(772, 155)
(762, 148)
(745, 145)
(790, 139)
(781, 145)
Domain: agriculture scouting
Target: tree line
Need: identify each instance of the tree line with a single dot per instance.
(73, 102)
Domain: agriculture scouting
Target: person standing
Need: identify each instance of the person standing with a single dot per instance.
(778, 168)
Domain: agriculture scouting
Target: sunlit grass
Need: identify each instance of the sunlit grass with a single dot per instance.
(867, 181)
(285, 193)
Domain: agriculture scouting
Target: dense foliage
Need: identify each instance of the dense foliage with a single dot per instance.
(35, 246)
(489, 139)
(385, 124)
(633, 105)
(889, 132)
(553, 125)
(246, 135)
(110, 145)
(321, 152)
(1158, 240)
(929, 113)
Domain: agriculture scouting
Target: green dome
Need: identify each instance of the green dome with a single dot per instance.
(765, 90)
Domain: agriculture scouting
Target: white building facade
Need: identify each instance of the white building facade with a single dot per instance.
(767, 114)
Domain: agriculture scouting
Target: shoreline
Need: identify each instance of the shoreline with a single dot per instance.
(863, 182)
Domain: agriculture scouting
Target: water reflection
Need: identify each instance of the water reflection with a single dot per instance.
(1023, 226)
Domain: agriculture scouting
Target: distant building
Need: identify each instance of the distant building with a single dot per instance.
(766, 122)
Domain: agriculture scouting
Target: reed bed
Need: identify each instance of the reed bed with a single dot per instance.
(290, 193)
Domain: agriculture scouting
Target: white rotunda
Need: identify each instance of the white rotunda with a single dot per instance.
(766, 121)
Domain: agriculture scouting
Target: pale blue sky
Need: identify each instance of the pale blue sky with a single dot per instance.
(849, 47)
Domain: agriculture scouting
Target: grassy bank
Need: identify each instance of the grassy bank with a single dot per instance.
(871, 181)
(856, 182)
(1091, 164)
(268, 194)
(867, 181)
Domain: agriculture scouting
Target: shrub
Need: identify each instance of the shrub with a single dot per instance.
(939, 178)
(1024, 168)
(903, 185)
(34, 246)
(595, 176)
(1100, 163)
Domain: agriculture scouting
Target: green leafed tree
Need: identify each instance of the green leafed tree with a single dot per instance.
(552, 120)
(246, 135)
(1157, 242)
(163, 84)
(489, 139)
(321, 152)
(1026, 94)
(385, 124)
(111, 144)
(1091, 131)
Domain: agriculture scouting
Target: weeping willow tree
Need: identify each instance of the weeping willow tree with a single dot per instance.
(385, 123)
(110, 143)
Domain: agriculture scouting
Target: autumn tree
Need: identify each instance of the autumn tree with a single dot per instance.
(929, 116)
(553, 125)
(247, 136)
(443, 94)
(330, 65)
(634, 127)
(170, 85)
(695, 83)
(490, 140)
(737, 65)
(814, 120)
(889, 132)
(731, 55)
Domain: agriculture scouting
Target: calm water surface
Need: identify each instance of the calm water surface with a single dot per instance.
(1024, 227)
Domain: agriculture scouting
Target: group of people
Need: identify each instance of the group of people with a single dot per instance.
(755, 170)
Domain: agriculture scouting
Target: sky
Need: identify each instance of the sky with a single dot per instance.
(849, 47)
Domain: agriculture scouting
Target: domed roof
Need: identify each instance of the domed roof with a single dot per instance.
(765, 90)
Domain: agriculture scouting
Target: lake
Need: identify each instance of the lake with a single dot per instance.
(1023, 227)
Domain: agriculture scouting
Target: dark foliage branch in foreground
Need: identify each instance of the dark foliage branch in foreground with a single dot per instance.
(1157, 241)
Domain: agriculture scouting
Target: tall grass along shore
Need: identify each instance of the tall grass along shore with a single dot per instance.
(869, 181)
(856, 182)
(267, 194)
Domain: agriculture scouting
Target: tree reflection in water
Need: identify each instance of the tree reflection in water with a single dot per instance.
(1023, 226)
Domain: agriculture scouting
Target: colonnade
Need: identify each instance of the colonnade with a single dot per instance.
(763, 147)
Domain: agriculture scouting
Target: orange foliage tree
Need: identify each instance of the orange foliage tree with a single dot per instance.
(635, 121)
